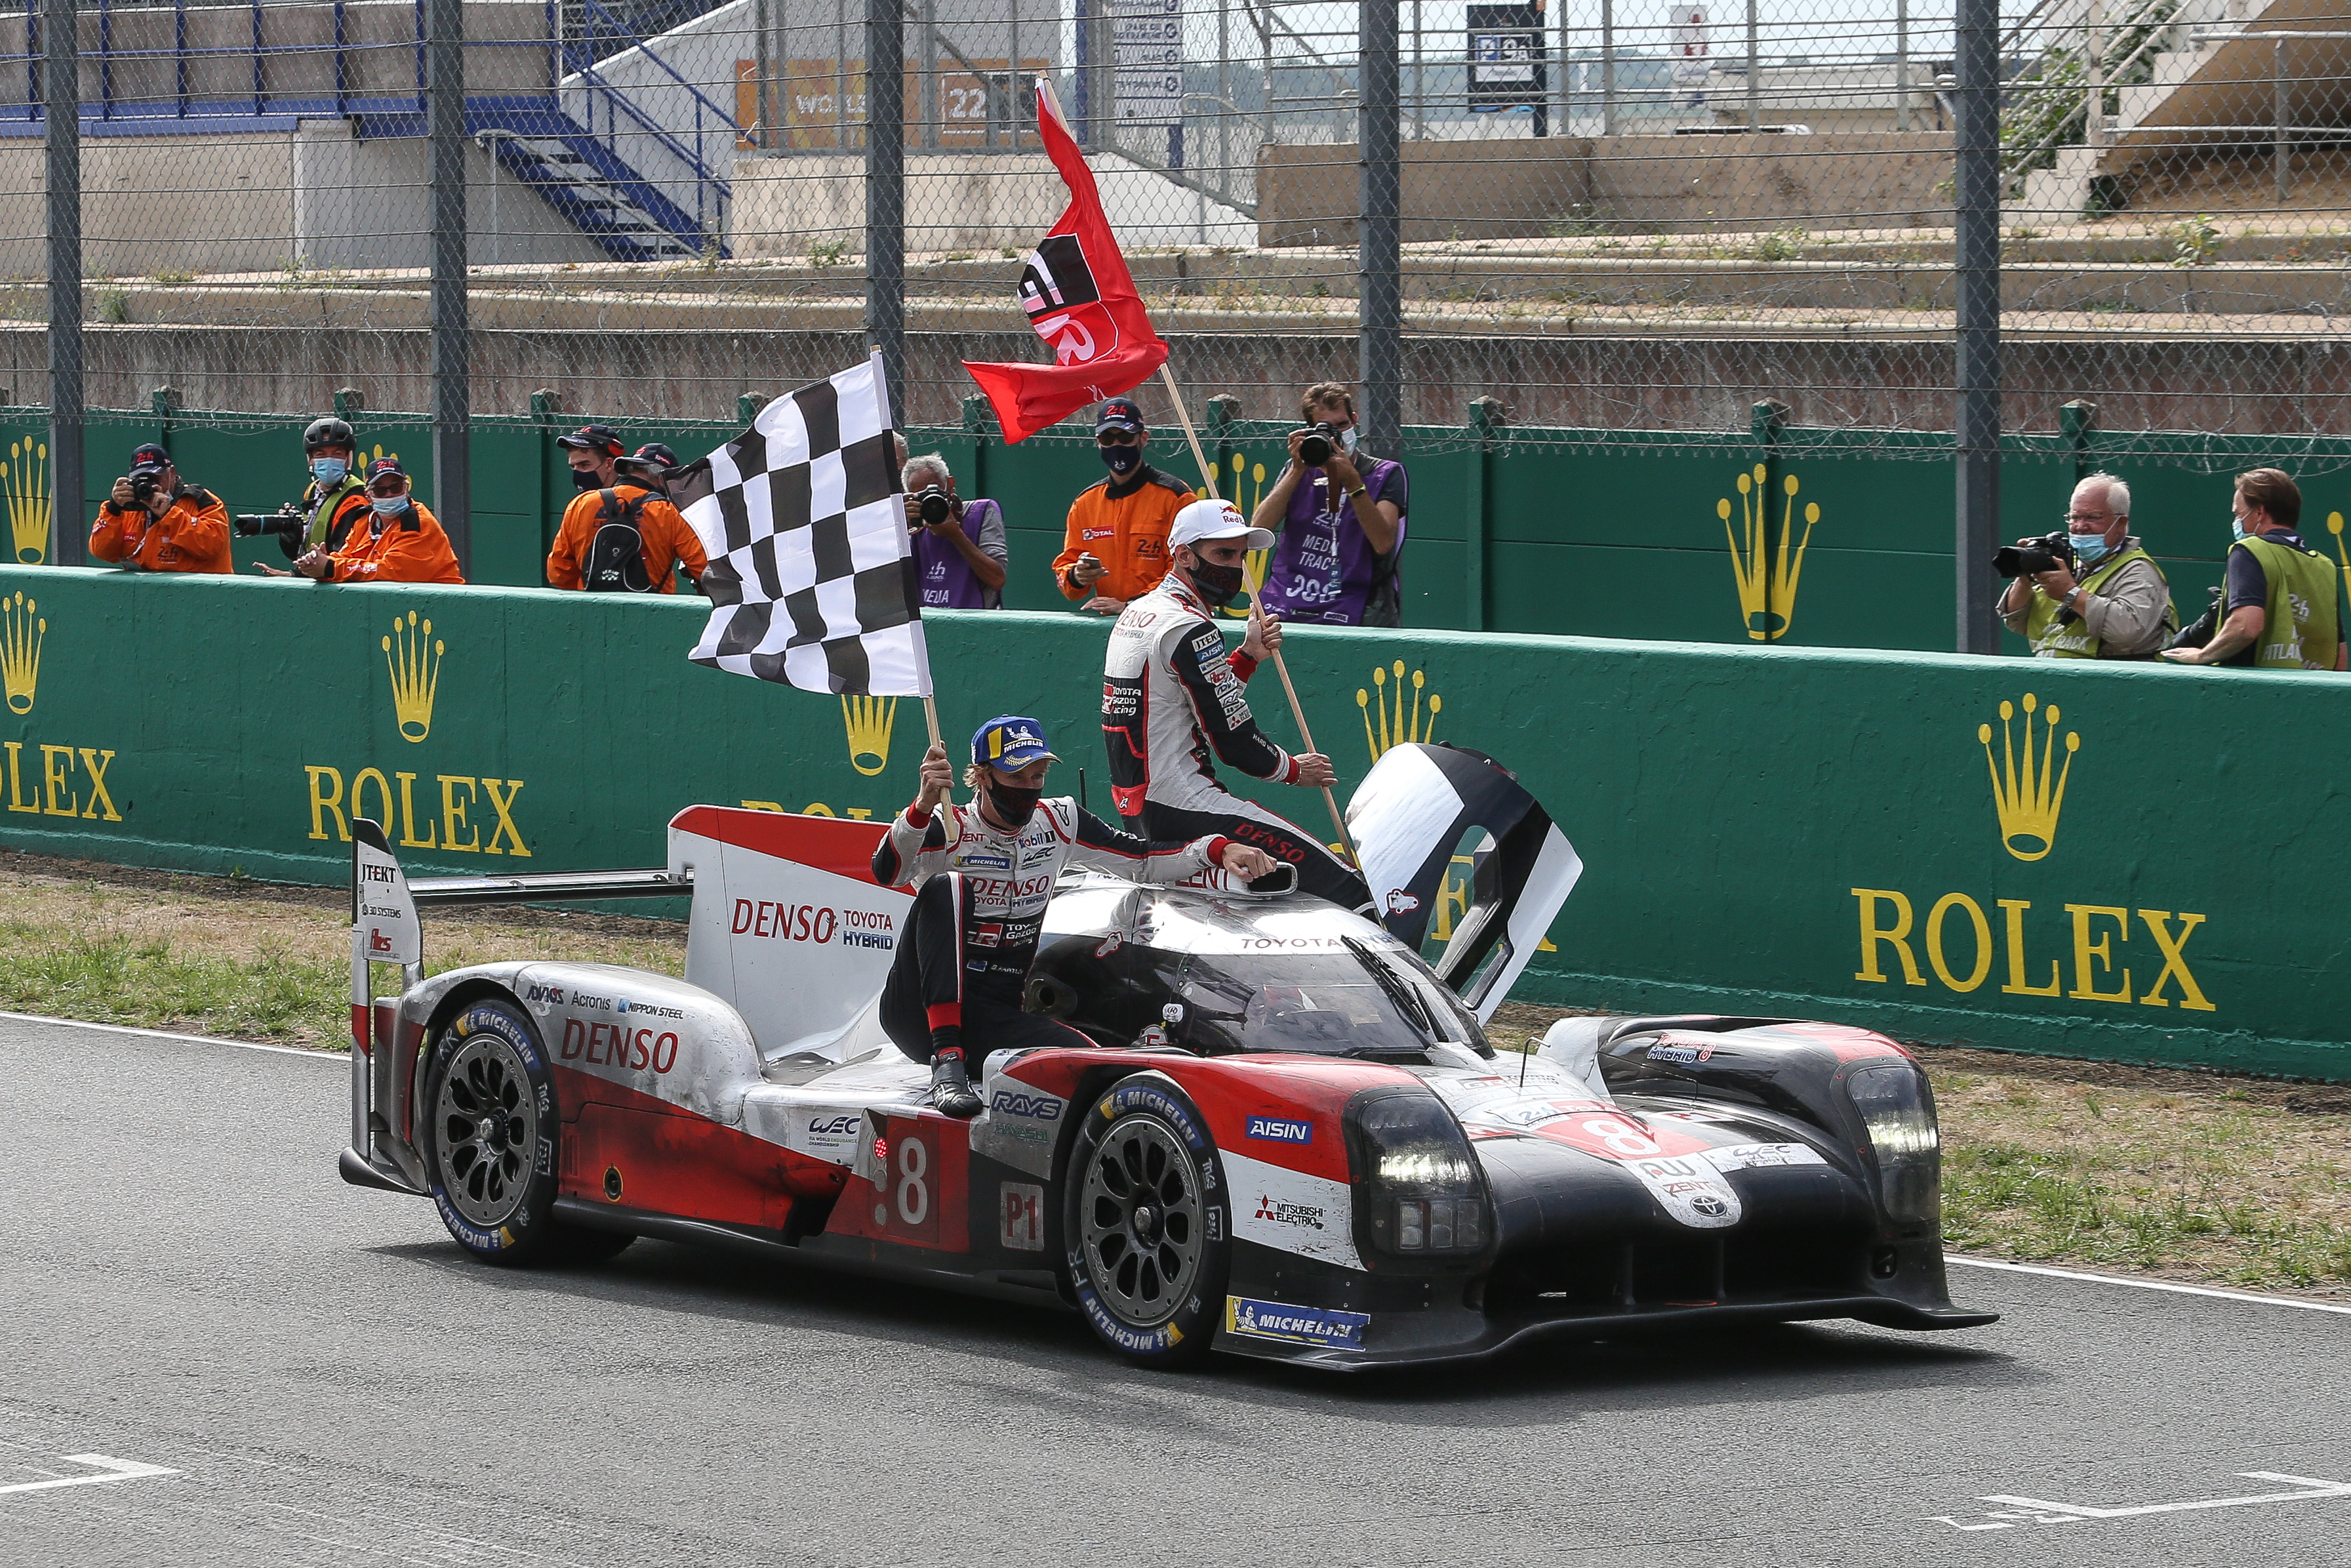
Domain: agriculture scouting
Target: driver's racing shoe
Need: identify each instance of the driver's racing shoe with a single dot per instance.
(951, 1091)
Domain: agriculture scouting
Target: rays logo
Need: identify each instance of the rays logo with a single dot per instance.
(2026, 798)
(1395, 727)
(26, 481)
(868, 721)
(415, 660)
(22, 632)
(1768, 563)
(1036, 1107)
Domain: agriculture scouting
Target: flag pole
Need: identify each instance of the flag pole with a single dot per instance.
(1297, 710)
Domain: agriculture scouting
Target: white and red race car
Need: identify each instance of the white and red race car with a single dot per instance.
(1292, 1139)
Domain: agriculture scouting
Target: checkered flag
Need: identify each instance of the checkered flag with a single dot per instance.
(812, 578)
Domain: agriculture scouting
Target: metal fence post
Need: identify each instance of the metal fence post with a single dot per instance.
(1486, 415)
(2079, 421)
(453, 432)
(885, 194)
(1379, 298)
(1976, 142)
(61, 97)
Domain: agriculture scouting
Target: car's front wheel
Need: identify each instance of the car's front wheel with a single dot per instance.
(490, 1128)
(1149, 1236)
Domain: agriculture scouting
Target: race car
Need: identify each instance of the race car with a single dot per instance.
(1290, 1139)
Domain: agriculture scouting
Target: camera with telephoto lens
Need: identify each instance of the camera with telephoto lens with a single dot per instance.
(286, 524)
(2045, 553)
(1322, 440)
(934, 506)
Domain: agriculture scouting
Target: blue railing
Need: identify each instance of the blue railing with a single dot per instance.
(711, 190)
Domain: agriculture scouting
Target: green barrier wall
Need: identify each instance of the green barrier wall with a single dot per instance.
(1882, 839)
(1551, 531)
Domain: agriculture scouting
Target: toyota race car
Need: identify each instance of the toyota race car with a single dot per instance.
(1290, 1140)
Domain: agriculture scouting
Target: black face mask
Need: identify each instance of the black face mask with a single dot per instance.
(1123, 460)
(586, 479)
(1013, 807)
(1219, 585)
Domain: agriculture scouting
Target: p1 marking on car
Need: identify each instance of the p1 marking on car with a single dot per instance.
(1290, 1140)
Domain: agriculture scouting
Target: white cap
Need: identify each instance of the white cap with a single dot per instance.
(1209, 519)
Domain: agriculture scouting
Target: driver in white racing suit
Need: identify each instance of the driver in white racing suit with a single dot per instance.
(981, 875)
(1173, 706)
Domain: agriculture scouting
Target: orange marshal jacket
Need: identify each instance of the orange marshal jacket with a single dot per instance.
(192, 535)
(670, 539)
(1127, 532)
(411, 548)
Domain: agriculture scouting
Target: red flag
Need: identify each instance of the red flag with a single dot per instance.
(1081, 300)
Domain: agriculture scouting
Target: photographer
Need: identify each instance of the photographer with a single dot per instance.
(335, 498)
(401, 541)
(2118, 607)
(152, 522)
(1339, 514)
(625, 535)
(2279, 597)
(959, 545)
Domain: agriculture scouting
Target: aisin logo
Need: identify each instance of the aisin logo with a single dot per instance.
(415, 660)
(22, 632)
(1395, 727)
(2026, 796)
(868, 721)
(1767, 576)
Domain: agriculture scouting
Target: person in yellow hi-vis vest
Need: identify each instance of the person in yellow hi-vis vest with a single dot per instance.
(2280, 596)
(2119, 607)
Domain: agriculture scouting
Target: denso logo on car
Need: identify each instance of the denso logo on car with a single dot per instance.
(1276, 1130)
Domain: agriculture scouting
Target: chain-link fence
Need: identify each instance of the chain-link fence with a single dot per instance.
(1616, 218)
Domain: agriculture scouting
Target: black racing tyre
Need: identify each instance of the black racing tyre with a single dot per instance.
(490, 1126)
(1146, 1220)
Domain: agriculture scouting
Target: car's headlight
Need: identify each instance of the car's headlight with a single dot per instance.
(1424, 1195)
(1897, 1110)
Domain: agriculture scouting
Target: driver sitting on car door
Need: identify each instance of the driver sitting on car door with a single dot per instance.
(981, 875)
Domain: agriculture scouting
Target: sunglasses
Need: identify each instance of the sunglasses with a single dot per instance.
(1118, 437)
(388, 488)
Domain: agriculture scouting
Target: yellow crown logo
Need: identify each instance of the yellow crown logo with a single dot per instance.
(868, 721)
(415, 660)
(2027, 800)
(24, 480)
(1396, 726)
(21, 635)
(2335, 527)
(1767, 577)
(1253, 565)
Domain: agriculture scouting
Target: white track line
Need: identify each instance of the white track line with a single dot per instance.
(2151, 1285)
(340, 1059)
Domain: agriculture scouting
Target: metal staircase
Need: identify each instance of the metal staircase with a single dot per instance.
(583, 179)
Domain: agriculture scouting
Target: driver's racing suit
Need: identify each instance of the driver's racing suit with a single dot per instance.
(1173, 706)
(979, 900)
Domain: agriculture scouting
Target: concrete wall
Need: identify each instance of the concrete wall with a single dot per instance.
(785, 206)
(1530, 189)
(254, 202)
(1892, 869)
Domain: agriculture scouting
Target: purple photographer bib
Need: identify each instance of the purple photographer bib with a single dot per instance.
(948, 582)
(1323, 566)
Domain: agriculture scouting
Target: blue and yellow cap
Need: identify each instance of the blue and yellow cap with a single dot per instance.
(1010, 742)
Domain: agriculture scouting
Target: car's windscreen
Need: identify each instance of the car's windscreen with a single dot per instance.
(1355, 1002)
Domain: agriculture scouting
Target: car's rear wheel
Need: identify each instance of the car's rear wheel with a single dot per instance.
(490, 1130)
(1149, 1238)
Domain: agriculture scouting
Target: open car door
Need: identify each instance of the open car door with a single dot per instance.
(1452, 844)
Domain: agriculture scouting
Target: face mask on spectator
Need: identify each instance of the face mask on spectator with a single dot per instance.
(2236, 528)
(387, 506)
(329, 470)
(2091, 547)
(1123, 460)
(585, 479)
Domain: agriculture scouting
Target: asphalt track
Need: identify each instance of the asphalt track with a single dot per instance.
(188, 1287)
